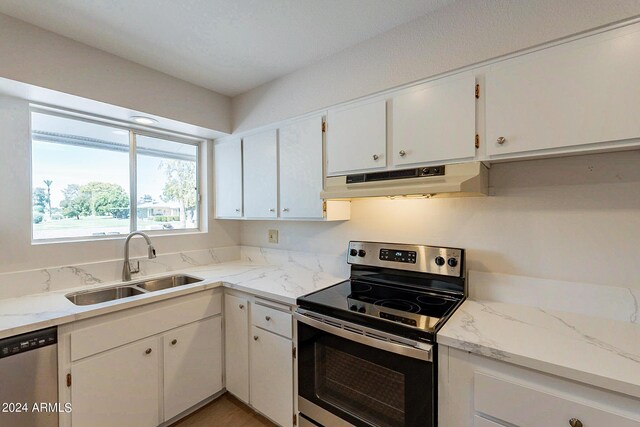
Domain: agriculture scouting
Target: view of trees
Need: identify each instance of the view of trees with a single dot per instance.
(96, 199)
(101, 199)
(181, 177)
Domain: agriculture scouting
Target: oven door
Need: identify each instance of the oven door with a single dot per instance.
(349, 375)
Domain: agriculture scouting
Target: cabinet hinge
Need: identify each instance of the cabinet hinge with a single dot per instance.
(68, 380)
(294, 352)
(295, 420)
(477, 91)
(324, 126)
(477, 141)
(324, 207)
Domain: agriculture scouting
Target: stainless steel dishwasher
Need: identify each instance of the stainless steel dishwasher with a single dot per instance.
(29, 379)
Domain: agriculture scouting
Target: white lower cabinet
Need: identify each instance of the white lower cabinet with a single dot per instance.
(142, 366)
(118, 387)
(236, 332)
(259, 355)
(272, 375)
(192, 365)
(482, 392)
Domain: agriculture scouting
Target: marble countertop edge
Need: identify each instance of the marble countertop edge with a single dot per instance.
(590, 350)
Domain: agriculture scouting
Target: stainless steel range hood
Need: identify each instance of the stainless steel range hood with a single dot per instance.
(456, 180)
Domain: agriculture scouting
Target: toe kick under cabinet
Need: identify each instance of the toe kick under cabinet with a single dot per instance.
(142, 366)
(259, 355)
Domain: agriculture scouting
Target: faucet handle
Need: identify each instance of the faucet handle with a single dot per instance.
(137, 269)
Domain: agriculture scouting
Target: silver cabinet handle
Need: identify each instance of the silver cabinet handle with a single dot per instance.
(237, 210)
(241, 306)
(501, 140)
(285, 210)
(376, 157)
(574, 422)
(267, 318)
(402, 153)
(174, 341)
(255, 338)
(147, 351)
(272, 210)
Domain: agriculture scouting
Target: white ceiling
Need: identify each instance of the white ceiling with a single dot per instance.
(229, 46)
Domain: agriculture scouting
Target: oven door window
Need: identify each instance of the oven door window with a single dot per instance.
(361, 384)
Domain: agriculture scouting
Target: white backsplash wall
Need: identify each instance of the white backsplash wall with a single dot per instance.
(573, 218)
(16, 250)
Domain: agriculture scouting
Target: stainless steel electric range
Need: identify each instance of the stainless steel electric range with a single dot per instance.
(367, 346)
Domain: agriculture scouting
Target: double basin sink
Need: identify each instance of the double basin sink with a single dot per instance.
(129, 290)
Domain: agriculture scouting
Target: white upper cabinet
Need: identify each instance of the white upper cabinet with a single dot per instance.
(301, 169)
(260, 171)
(434, 122)
(581, 92)
(228, 178)
(357, 138)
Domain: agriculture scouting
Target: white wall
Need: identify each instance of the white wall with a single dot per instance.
(17, 252)
(573, 218)
(466, 32)
(32, 55)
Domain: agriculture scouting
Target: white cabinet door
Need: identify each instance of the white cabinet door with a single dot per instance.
(260, 171)
(236, 330)
(192, 364)
(301, 169)
(582, 92)
(357, 138)
(435, 122)
(228, 178)
(272, 376)
(120, 387)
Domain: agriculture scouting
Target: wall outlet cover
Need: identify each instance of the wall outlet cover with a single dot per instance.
(273, 236)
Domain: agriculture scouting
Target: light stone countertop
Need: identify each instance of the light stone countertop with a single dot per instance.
(593, 350)
(282, 283)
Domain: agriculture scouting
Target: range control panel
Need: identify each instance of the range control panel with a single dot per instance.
(27, 342)
(421, 258)
(397, 255)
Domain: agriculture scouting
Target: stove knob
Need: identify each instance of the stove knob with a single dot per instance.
(439, 261)
(353, 308)
(362, 309)
(362, 252)
(452, 262)
(353, 252)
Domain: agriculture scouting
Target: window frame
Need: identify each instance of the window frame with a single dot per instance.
(133, 131)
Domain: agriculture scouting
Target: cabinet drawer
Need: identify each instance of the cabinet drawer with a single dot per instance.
(272, 320)
(524, 405)
(102, 333)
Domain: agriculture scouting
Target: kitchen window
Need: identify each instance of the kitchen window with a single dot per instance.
(93, 179)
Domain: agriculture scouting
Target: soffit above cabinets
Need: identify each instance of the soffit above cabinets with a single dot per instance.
(83, 106)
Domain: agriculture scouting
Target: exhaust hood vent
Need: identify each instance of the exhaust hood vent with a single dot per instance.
(457, 180)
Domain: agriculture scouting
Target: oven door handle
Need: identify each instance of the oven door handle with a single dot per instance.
(419, 350)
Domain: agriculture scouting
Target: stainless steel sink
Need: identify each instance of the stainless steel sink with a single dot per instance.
(130, 290)
(103, 295)
(167, 282)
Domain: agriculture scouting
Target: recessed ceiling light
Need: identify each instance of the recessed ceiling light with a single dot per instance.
(120, 132)
(143, 120)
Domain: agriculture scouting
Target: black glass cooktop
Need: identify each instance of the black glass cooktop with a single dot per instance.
(407, 311)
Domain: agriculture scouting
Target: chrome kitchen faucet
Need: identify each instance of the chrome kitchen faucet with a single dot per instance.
(126, 268)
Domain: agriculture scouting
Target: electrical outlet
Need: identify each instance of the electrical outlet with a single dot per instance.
(273, 236)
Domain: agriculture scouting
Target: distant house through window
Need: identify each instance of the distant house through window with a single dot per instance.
(93, 179)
